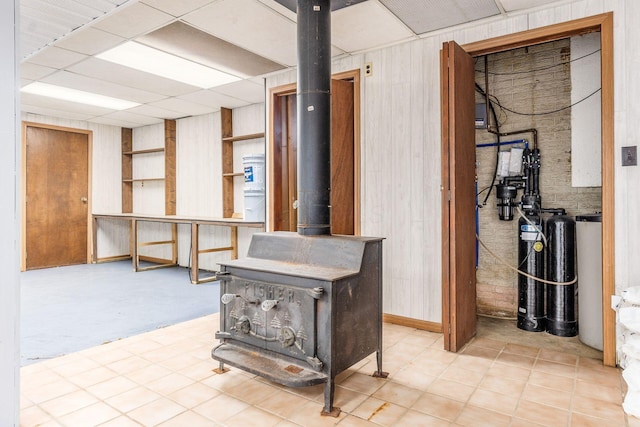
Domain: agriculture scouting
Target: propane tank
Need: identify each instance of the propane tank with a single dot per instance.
(531, 314)
(561, 267)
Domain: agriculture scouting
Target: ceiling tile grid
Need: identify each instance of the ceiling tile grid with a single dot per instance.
(177, 8)
(214, 100)
(89, 41)
(246, 38)
(358, 27)
(44, 21)
(55, 57)
(129, 77)
(101, 87)
(423, 16)
(251, 25)
(133, 20)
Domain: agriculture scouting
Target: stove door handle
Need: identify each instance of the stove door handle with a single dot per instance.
(223, 276)
(268, 304)
(316, 293)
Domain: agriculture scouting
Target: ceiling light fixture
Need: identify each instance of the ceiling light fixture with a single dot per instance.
(79, 96)
(154, 61)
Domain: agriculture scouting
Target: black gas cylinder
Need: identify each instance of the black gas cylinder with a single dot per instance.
(531, 314)
(561, 267)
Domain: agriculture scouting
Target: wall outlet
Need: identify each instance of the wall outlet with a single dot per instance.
(368, 69)
(630, 156)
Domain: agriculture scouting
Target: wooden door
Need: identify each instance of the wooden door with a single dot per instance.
(57, 163)
(342, 160)
(285, 152)
(458, 197)
(342, 157)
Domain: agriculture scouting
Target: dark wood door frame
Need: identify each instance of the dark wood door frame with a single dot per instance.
(23, 221)
(603, 24)
(274, 93)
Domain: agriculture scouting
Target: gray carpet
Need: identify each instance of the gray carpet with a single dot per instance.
(69, 309)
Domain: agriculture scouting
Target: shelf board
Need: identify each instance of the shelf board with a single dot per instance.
(142, 179)
(243, 137)
(233, 174)
(149, 150)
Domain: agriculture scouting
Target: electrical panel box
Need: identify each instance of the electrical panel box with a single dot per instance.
(481, 116)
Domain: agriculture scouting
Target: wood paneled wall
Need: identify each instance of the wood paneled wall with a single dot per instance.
(400, 116)
(400, 157)
(198, 180)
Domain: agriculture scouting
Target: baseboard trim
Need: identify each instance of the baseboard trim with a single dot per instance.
(412, 323)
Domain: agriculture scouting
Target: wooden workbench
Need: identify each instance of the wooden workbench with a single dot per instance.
(174, 220)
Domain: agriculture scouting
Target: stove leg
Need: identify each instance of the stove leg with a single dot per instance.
(329, 410)
(379, 373)
(221, 369)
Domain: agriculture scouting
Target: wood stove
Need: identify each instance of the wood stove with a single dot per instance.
(299, 310)
(303, 307)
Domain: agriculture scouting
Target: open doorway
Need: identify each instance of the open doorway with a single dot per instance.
(459, 280)
(345, 156)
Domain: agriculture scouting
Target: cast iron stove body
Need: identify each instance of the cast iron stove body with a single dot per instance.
(303, 307)
(299, 310)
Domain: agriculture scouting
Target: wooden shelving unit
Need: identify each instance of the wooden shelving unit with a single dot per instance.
(169, 178)
(228, 174)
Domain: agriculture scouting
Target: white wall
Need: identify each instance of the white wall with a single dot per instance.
(400, 160)
(586, 151)
(9, 260)
(199, 178)
(198, 181)
(400, 126)
(400, 163)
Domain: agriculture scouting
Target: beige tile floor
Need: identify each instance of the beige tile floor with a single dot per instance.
(166, 378)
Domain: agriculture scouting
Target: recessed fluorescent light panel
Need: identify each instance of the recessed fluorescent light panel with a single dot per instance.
(79, 96)
(154, 61)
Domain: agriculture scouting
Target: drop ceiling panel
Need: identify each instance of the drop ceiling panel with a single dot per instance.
(33, 71)
(432, 15)
(133, 119)
(114, 73)
(38, 109)
(511, 5)
(151, 111)
(365, 26)
(134, 20)
(190, 43)
(30, 43)
(335, 4)
(250, 25)
(177, 8)
(89, 41)
(58, 104)
(112, 121)
(214, 100)
(56, 57)
(43, 21)
(473, 10)
(187, 108)
(282, 10)
(89, 84)
(246, 90)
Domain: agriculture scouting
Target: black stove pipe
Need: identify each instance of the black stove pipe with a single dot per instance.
(314, 117)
